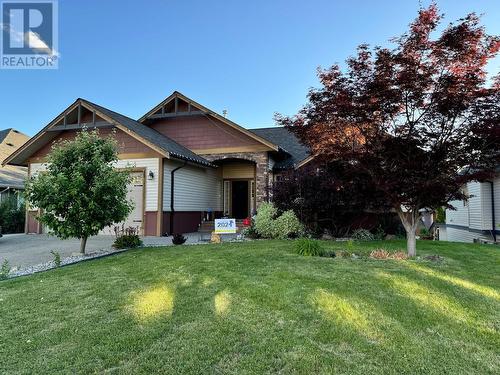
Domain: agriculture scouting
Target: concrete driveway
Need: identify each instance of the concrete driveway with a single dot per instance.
(23, 250)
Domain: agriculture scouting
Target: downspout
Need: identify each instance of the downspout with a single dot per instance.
(493, 223)
(172, 211)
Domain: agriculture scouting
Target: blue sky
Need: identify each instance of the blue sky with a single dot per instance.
(253, 58)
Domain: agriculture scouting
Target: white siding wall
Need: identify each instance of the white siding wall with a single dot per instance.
(496, 190)
(475, 204)
(459, 216)
(463, 235)
(151, 164)
(476, 214)
(196, 189)
(486, 221)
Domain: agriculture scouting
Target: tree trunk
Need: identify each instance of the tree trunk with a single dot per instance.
(410, 220)
(83, 243)
(411, 243)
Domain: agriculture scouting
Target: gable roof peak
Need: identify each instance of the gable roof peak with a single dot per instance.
(207, 112)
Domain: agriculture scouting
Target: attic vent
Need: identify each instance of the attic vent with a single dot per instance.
(10, 144)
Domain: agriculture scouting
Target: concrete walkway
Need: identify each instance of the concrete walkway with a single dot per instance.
(23, 250)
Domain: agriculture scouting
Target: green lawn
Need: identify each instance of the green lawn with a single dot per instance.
(257, 308)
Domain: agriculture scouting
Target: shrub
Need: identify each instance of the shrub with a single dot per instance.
(12, 215)
(178, 239)
(362, 235)
(287, 226)
(4, 270)
(440, 215)
(251, 231)
(268, 225)
(309, 247)
(57, 258)
(425, 234)
(126, 238)
(127, 241)
(264, 220)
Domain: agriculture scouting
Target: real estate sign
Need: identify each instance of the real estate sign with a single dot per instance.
(223, 226)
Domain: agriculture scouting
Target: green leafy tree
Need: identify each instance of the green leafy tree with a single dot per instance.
(12, 215)
(81, 192)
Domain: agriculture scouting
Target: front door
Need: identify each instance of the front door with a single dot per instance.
(239, 199)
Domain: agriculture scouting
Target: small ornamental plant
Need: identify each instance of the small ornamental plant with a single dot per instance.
(178, 239)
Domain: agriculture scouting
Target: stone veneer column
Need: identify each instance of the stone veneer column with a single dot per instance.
(262, 179)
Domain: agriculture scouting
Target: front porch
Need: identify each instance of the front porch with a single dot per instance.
(238, 187)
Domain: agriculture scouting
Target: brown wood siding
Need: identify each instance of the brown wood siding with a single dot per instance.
(126, 143)
(199, 133)
(33, 225)
(184, 222)
(150, 223)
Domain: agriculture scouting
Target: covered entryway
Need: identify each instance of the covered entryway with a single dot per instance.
(238, 187)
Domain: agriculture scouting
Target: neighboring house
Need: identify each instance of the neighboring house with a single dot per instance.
(11, 177)
(476, 219)
(189, 163)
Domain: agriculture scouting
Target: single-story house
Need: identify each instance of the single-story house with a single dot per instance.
(190, 164)
(11, 177)
(476, 219)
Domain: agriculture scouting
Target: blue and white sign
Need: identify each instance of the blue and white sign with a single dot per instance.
(223, 226)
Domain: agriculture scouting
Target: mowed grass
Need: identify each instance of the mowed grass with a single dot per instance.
(257, 308)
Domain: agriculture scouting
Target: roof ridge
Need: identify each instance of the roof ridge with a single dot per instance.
(268, 127)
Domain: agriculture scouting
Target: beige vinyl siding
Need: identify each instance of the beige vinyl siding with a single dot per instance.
(238, 170)
(151, 164)
(35, 169)
(196, 188)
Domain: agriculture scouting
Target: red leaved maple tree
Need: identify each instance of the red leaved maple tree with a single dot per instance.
(421, 118)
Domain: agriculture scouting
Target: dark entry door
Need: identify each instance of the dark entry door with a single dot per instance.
(240, 199)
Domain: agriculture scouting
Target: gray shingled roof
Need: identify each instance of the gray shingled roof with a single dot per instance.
(152, 136)
(288, 142)
(13, 177)
(10, 176)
